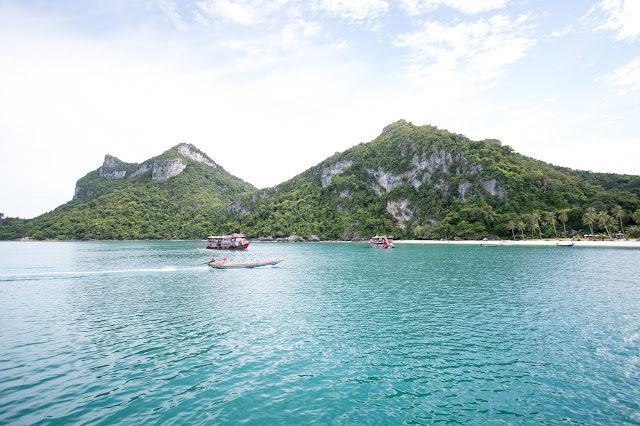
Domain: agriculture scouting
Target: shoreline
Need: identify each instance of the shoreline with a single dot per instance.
(501, 243)
(544, 243)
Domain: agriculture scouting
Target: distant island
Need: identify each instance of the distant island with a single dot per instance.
(413, 182)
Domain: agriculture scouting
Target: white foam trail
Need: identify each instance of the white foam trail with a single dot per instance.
(118, 271)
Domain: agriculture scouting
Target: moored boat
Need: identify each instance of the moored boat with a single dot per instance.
(228, 242)
(565, 244)
(381, 241)
(225, 265)
(491, 244)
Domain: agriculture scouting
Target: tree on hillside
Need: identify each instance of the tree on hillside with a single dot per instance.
(606, 221)
(589, 218)
(551, 218)
(619, 212)
(511, 226)
(535, 223)
(563, 218)
(636, 216)
(521, 227)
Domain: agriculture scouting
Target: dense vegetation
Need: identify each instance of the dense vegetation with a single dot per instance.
(350, 206)
(184, 206)
(411, 182)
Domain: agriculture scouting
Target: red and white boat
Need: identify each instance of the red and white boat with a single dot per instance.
(383, 241)
(228, 242)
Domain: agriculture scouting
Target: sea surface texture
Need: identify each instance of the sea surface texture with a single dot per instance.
(144, 332)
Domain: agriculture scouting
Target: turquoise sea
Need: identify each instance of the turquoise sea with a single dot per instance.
(143, 332)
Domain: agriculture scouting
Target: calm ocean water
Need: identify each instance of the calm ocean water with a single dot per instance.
(132, 332)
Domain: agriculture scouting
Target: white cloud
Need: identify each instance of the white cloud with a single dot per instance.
(626, 76)
(354, 10)
(466, 55)
(241, 12)
(417, 7)
(173, 15)
(620, 16)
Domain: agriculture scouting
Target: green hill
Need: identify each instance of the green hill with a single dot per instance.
(181, 193)
(411, 182)
(423, 182)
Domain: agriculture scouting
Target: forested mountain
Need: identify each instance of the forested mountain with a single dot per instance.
(178, 194)
(410, 182)
(423, 182)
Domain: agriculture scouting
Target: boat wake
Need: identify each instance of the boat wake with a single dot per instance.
(26, 276)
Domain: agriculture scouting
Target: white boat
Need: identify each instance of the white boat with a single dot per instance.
(565, 243)
(491, 244)
(382, 241)
(227, 242)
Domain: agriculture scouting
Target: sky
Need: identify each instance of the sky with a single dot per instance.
(269, 88)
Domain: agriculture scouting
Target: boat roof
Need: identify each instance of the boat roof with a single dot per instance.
(234, 235)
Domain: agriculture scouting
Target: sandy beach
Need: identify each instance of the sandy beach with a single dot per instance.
(550, 242)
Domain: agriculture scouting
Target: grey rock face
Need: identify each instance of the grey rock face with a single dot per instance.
(186, 150)
(167, 169)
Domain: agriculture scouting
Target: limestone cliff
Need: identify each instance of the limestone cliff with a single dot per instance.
(164, 167)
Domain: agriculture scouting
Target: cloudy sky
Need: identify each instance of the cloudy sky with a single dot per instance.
(269, 88)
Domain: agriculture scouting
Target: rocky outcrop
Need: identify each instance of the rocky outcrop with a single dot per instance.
(111, 168)
(112, 174)
(190, 152)
(492, 187)
(163, 170)
(110, 161)
(401, 211)
(437, 170)
(80, 192)
(329, 172)
(142, 169)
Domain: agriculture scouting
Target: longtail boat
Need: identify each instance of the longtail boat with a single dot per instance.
(225, 265)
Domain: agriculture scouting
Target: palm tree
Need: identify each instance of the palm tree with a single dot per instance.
(563, 218)
(511, 226)
(606, 221)
(636, 216)
(535, 219)
(534, 226)
(619, 212)
(521, 227)
(551, 218)
(589, 218)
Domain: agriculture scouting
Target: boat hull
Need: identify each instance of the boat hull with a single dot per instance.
(239, 247)
(244, 265)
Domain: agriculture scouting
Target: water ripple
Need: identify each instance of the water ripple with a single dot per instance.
(336, 334)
